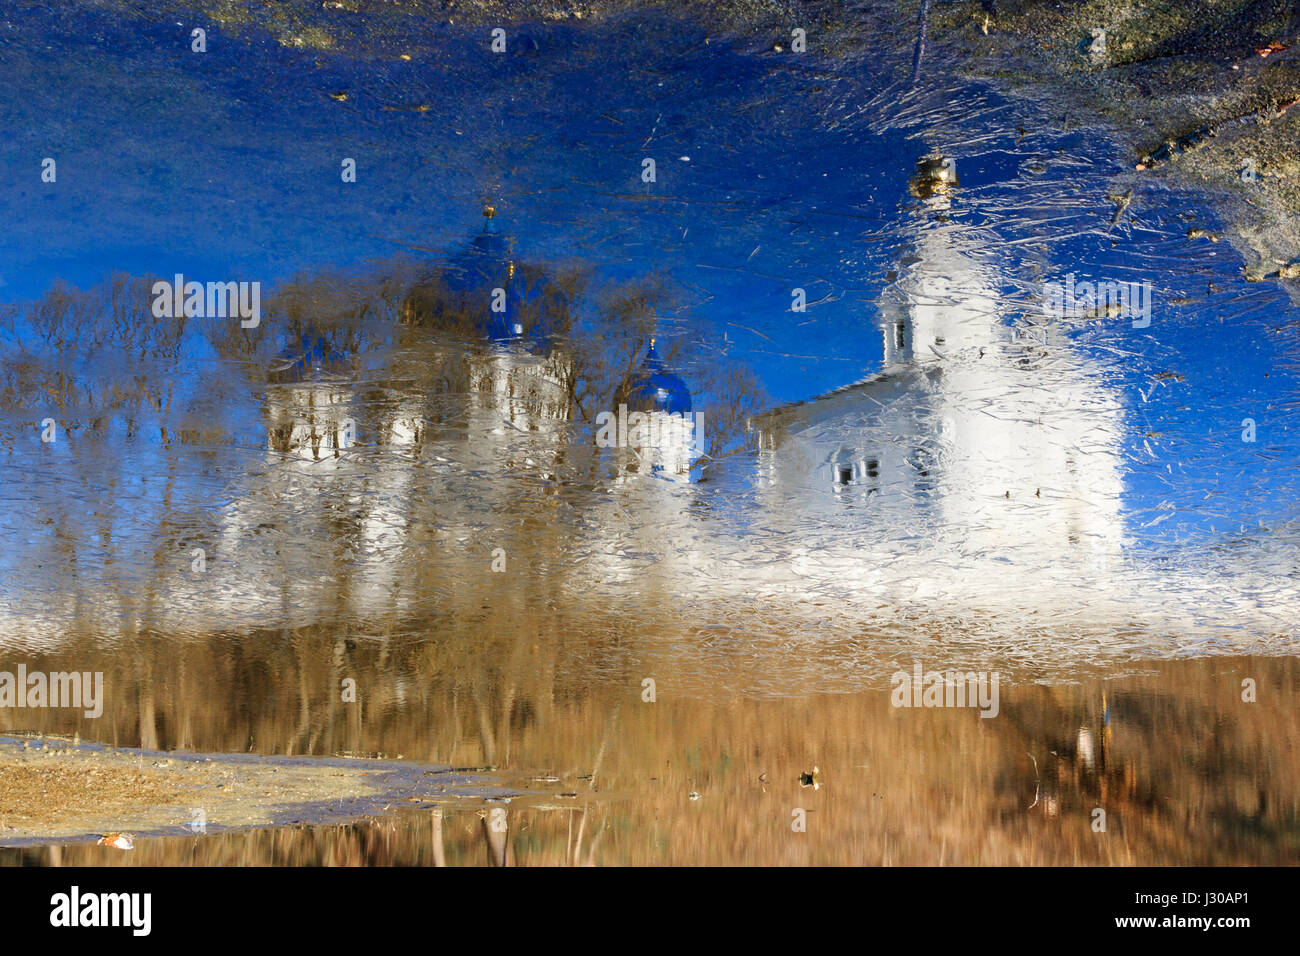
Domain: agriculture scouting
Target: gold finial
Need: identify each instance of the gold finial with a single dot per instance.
(489, 211)
(652, 341)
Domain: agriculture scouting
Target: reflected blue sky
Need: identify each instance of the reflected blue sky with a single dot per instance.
(773, 172)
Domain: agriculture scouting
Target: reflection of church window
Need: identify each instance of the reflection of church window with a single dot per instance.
(900, 334)
(842, 467)
(1027, 353)
(1074, 519)
(922, 461)
(846, 470)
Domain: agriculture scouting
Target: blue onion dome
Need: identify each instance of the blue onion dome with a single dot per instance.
(534, 305)
(490, 243)
(485, 263)
(655, 389)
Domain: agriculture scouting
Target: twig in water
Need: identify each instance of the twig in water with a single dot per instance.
(1037, 781)
(923, 29)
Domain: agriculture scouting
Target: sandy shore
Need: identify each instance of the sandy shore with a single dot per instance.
(56, 789)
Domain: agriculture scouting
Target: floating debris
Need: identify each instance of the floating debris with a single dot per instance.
(813, 779)
(1176, 147)
(934, 176)
(122, 841)
(1122, 201)
(1289, 271)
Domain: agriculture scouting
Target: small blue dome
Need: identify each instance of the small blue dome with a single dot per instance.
(489, 242)
(487, 265)
(655, 389)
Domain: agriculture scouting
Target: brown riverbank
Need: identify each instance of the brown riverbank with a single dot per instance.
(1186, 771)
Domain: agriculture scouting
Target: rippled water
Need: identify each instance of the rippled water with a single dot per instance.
(386, 481)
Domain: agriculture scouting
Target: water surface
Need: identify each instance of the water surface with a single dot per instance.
(386, 482)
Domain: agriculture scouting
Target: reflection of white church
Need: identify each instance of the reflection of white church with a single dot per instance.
(978, 472)
(979, 468)
(517, 407)
(981, 462)
(517, 384)
(333, 475)
(341, 467)
(986, 446)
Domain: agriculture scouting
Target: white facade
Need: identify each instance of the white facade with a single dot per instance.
(981, 464)
(330, 462)
(657, 444)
